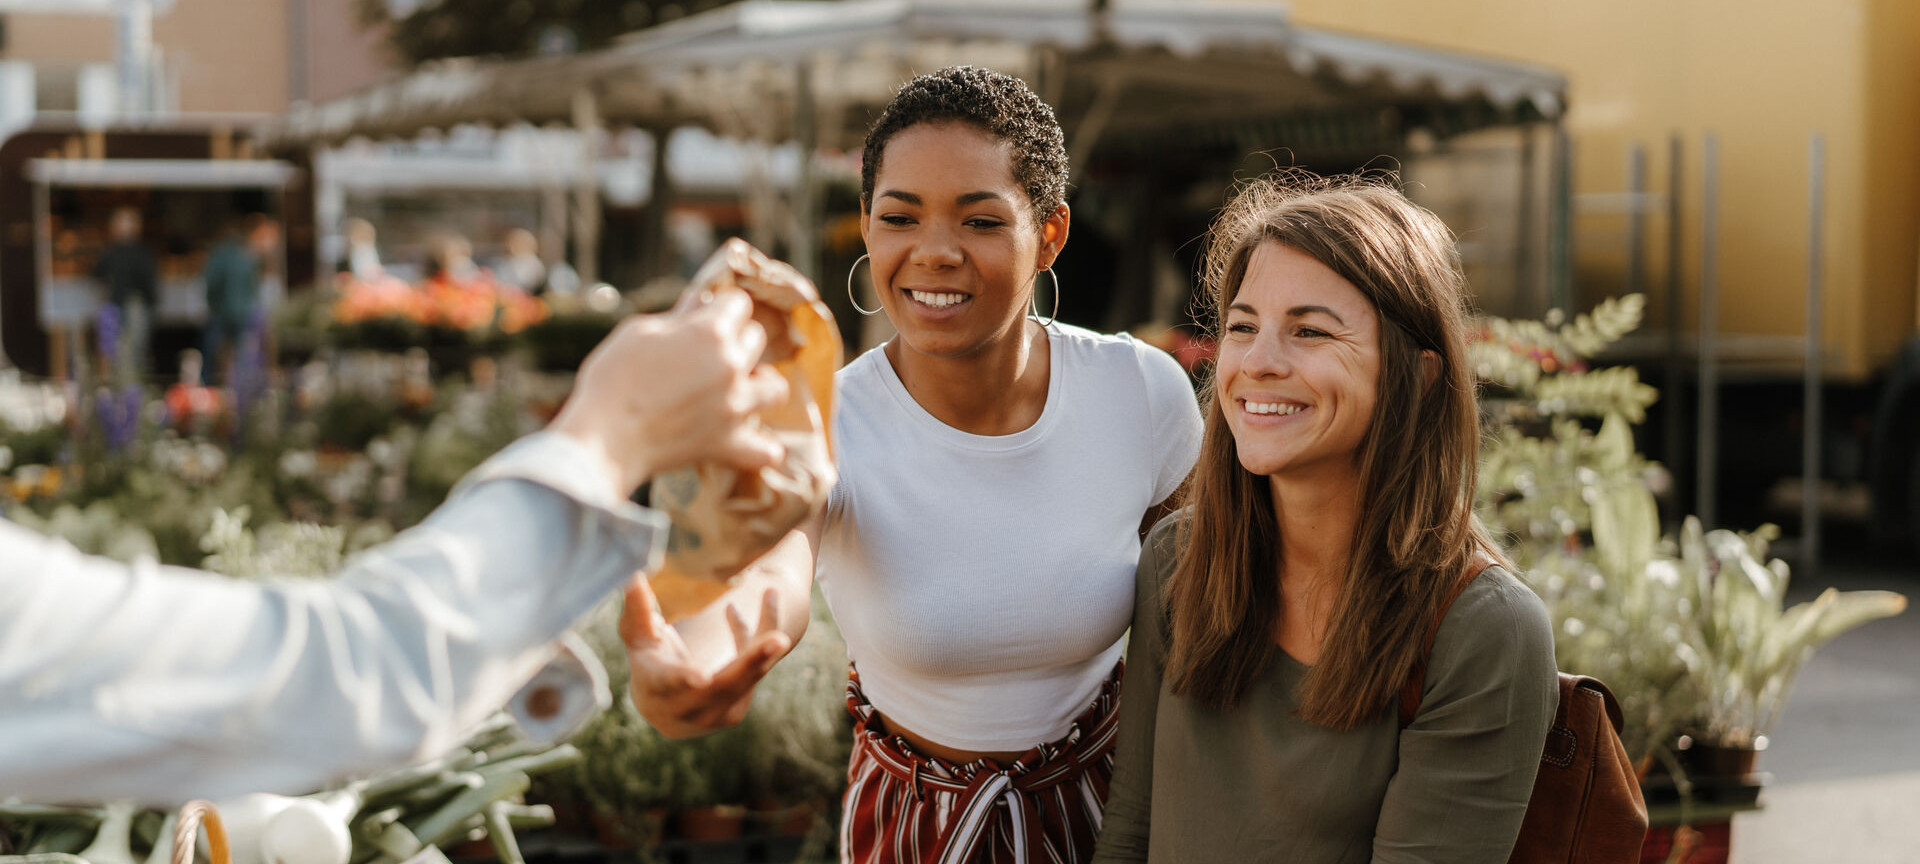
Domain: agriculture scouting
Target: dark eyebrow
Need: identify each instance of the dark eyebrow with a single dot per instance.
(976, 197)
(908, 197)
(1302, 311)
(1295, 312)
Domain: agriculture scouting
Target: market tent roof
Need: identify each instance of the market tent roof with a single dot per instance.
(162, 173)
(787, 69)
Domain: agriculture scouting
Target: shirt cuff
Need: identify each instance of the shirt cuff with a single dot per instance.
(581, 473)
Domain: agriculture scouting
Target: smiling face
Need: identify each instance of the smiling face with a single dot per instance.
(953, 243)
(1299, 365)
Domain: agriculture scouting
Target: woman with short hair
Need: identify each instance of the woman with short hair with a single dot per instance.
(996, 471)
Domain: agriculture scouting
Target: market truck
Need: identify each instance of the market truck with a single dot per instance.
(1808, 364)
(190, 178)
(1893, 469)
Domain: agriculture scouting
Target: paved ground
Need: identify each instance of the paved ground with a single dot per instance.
(1845, 756)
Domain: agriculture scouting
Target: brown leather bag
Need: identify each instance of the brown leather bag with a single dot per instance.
(1586, 806)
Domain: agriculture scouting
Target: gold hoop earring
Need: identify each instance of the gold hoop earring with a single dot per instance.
(850, 298)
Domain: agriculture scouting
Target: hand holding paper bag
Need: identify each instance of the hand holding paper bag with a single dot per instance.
(725, 518)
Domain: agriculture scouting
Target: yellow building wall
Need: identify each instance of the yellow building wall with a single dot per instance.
(1762, 75)
(1893, 196)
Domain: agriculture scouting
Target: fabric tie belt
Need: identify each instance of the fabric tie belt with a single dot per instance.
(1049, 791)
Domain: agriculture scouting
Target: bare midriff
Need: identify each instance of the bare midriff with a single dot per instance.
(955, 755)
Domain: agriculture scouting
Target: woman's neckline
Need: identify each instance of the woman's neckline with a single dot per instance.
(921, 417)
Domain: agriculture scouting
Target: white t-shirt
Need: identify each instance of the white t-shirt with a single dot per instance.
(983, 582)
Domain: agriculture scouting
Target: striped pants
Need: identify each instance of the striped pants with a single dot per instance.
(905, 808)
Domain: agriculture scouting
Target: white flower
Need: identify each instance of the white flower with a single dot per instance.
(298, 463)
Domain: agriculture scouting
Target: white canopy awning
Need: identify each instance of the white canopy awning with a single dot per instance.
(789, 69)
(162, 173)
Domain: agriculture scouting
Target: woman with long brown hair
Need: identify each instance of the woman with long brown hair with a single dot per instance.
(1329, 519)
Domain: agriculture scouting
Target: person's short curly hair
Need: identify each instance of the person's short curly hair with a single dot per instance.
(1000, 105)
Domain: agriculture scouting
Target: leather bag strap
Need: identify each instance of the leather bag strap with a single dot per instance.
(1410, 692)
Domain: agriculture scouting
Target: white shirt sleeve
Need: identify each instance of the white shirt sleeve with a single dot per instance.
(1175, 419)
(162, 684)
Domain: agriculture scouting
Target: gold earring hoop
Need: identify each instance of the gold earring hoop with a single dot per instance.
(1033, 300)
(850, 298)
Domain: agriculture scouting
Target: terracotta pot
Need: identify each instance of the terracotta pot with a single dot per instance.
(615, 833)
(1710, 760)
(472, 850)
(605, 832)
(717, 822)
(1706, 843)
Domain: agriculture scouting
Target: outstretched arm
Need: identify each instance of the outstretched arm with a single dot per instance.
(161, 683)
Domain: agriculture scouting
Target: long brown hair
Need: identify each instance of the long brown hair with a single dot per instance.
(1417, 461)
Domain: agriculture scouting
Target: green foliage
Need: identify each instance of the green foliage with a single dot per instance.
(799, 735)
(350, 420)
(563, 340)
(474, 426)
(792, 747)
(97, 529)
(280, 549)
(1688, 632)
(1614, 318)
(38, 446)
(1742, 654)
(1611, 392)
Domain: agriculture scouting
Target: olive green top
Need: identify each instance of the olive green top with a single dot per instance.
(1258, 783)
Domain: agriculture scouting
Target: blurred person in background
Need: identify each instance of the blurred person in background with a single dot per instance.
(452, 261)
(132, 281)
(233, 291)
(521, 267)
(362, 257)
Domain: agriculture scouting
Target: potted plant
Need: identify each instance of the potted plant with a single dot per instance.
(1745, 646)
(631, 774)
(1572, 504)
(1691, 632)
(799, 736)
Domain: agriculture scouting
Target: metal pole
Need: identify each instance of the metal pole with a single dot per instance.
(1636, 216)
(586, 188)
(1706, 443)
(1810, 441)
(133, 45)
(1676, 376)
(805, 253)
(661, 260)
(1560, 253)
(1528, 235)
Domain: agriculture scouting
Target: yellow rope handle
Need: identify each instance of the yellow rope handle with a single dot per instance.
(192, 817)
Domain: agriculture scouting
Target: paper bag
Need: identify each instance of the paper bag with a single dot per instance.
(724, 518)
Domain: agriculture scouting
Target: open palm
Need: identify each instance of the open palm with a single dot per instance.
(669, 686)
